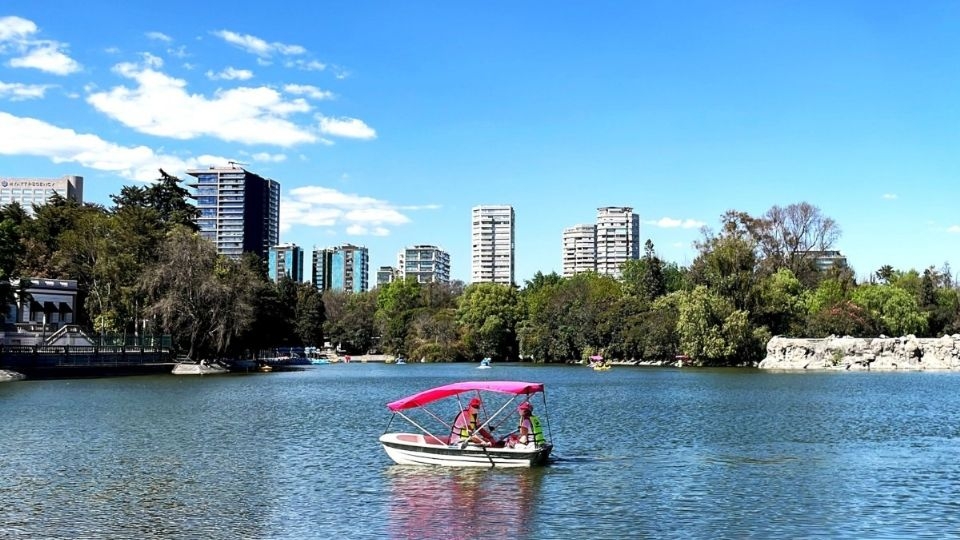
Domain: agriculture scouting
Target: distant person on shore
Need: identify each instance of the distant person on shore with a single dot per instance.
(465, 426)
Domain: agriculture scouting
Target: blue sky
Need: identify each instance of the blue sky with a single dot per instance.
(386, 122)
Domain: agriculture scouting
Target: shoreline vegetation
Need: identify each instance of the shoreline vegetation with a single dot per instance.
(141, 266)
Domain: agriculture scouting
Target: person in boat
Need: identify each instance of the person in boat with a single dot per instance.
(465, 426)
(529, 432)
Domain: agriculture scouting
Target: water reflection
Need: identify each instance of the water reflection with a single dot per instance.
(428, 502)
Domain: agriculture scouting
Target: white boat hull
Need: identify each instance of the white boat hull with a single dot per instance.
(415, 449)
(198, 369)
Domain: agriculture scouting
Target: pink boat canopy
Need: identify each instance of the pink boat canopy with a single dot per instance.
(440, 392)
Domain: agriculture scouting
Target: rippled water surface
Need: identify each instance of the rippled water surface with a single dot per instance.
(640, 453)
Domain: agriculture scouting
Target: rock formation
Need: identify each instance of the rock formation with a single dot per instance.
(847, 353)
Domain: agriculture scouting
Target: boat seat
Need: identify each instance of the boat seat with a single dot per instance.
(442, 441)
(428, 439)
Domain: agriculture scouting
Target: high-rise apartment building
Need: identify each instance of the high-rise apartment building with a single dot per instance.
(492, 238)
(239, 210)
(285, 260)
(342, 268)
(386, 274)
(618, 238)
(37, 191)
(579, 249)
(428, 264)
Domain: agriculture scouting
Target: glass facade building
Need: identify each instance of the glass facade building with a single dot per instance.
(285, 260)
(342, 268)
(239, 210)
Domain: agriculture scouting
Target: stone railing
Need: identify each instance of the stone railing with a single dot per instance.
(848, 353)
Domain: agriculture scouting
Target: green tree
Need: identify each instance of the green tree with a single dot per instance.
(396, 302)
(895, 308)
(712, 331)
(489, 314)
(645, 277)
(434, 335)
(13, 219)
(781, 307)
(727, 263)
(310, 315)
(792, 237)
(202, 300)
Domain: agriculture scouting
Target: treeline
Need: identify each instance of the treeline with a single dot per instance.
(141, 265)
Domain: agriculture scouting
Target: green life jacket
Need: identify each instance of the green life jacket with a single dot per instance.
(536, 430)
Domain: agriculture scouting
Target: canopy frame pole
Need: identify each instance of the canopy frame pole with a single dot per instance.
(418, 426)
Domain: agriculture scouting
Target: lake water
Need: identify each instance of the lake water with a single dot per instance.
(640, 453)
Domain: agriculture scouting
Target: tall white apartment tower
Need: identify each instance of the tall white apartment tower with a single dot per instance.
(579, 249)
(618, 238)
(492, 253)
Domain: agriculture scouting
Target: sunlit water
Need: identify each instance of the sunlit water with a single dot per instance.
(640, 453)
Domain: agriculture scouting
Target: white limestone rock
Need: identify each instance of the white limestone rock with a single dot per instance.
(848, 353)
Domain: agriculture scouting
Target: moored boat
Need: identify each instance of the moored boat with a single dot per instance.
(438, 442)
(199, 368)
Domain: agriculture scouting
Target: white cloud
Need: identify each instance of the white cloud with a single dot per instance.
(44, 55)
(306, 65)
(16, 28)
(32, 137)
(421, 207)
(360, 230)
(955, 229)
(352, 128)
(317, 206)
(268, 158)
(311, 92)
(159, 36)
(257, 46)
(178, 52)
(889, 196)
(231, 74)
(671, 223)
(20, 91)
(160, 105)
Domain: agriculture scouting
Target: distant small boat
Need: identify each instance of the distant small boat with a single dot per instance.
(198, 368)
(401, 361)
(598, 363)
(485, 363)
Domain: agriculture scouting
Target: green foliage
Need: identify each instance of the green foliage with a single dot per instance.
(201, 299)
(395, 303)
(645, 277)
(895, 308)
(574, 315)
(711, 330)
(843, 318)
(310, 315)
(488, 314)
(727, 263)
(350, 320)
(780, 306)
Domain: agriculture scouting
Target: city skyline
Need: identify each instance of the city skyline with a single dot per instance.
(384, 131)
